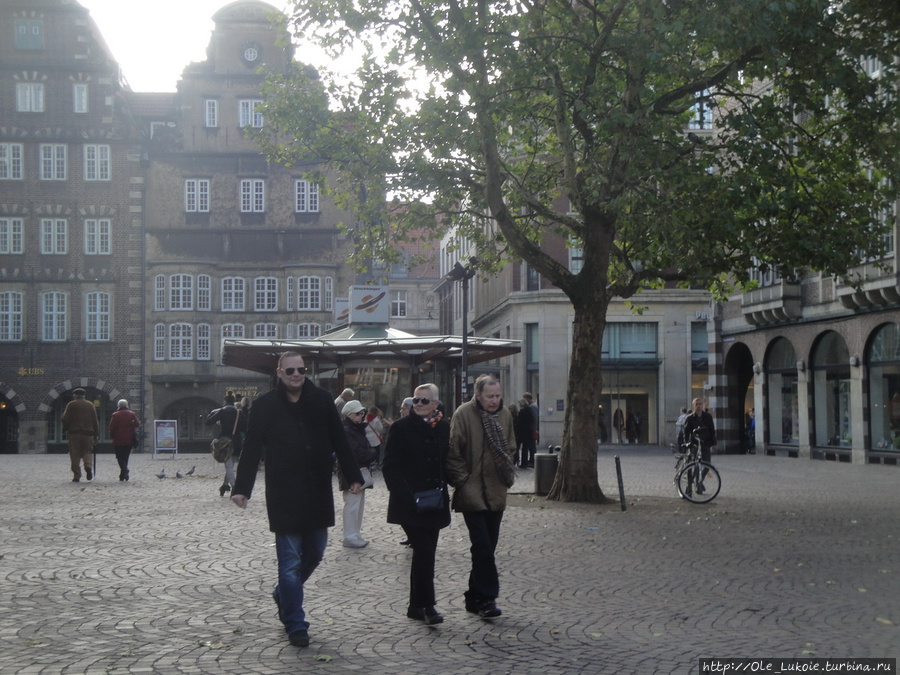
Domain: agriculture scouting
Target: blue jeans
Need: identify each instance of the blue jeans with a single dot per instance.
(298, 556)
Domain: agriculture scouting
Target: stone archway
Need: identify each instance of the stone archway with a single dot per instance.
(11, 409)
(738, 372)
(54, 402)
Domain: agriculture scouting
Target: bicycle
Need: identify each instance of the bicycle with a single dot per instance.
(696, 480)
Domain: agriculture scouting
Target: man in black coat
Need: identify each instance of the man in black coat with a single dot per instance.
(702, 422)
(298, 427)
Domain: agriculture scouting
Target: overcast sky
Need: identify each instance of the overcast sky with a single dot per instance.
(153, 41)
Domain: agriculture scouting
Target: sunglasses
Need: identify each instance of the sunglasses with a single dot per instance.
(423, 401)
(290, 371)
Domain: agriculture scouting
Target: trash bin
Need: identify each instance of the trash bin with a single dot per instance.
(545, 466)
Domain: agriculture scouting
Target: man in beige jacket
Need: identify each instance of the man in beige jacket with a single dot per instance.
(480, 467)
(79, 419)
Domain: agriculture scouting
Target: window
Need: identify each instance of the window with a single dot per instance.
(181, 337)
(232, 294)
(11, 161)
(265, 296)
(304, 330)
(159, 293)
(632, 340)
(701, 112)
(398, 304)
(248, 115)
(10, 235)
(532, 279)
(265, 331)
(29, 34)
(307, 197)
(29, 97)
(204, 343)
(53, 161)
(211, 110)
(309, 293)
(181, 292)
(576, 257)
(159, 342)
(10, 316)
(329, 294)
(79, 97)
(196, 195)
(253, 196)
(54, 239)
(97, 239)
(204, 292)
(97, 317)
(53, 317)
(289, 292)
(233, 330)
(96, 162)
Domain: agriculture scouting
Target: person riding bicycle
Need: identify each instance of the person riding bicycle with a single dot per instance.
(702, 422)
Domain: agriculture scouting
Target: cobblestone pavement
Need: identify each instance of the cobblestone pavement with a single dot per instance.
(793, 559)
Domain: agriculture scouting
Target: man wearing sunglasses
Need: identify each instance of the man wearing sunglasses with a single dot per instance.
(480, 468)
(300, 431)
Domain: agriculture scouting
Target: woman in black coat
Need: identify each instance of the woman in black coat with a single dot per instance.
(414, 457)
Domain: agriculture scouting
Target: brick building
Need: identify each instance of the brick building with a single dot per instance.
(70, 224)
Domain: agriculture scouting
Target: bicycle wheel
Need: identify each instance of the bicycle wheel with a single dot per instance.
(698, 482)
(680, 463)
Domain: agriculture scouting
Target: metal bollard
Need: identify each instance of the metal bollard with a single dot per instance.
(621, 485)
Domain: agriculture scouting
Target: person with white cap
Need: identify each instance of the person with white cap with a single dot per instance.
(354, 414)
(123, 427)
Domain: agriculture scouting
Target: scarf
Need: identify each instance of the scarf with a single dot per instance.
(498, 443)
(434, 419)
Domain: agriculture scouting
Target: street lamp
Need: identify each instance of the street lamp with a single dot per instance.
(463, 274)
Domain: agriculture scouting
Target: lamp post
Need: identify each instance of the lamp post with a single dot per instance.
(463, 274)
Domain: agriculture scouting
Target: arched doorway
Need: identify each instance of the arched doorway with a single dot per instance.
(190, 413)
(9, 427)
(831, 398)
(58, 440)
(732, 421)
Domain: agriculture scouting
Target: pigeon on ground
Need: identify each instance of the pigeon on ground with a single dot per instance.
(191, 472)
(178, 474)
(161, 474)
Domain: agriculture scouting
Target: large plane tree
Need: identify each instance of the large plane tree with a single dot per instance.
(673, 141)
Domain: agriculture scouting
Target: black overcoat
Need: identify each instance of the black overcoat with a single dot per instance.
(414, 457)
(300, 441)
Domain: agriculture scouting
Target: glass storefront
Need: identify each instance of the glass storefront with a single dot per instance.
(831, 392)
(884, 389)
(783, 409)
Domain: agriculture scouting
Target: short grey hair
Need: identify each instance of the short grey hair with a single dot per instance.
(435, 393)
(122, 403)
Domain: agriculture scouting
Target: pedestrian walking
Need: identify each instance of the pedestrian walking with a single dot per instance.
(123, 426)
(79, 419)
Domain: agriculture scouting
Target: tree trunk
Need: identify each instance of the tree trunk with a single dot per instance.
(576, 477)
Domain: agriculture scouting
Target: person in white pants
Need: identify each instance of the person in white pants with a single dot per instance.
(354, 415)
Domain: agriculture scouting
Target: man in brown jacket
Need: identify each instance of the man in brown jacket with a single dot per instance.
(80, 422)
(480, 468)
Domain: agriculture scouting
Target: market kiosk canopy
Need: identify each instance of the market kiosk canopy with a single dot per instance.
(365, 343)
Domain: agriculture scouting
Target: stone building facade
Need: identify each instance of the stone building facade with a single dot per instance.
(71, 201)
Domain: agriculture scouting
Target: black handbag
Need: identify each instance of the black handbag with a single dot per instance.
(429, 500)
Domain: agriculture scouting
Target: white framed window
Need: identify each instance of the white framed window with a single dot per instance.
(289, 292)
(97, 236)
(54, 236)
(265, 331)
(247, 113)
(253, 195)
(211, 112)
(10, 316)
(309, 294)
(233, 294)
(701, 112)
(79, 97)
(97, 317)
(204, 293)
(96, 162)
(181, 339)
(233, 330)
(308, 330)
(11, 161)
(196, 195)
(265, 294)
(53, 161)
(306, 197)
(159, 342)
(328, 297)
(398, 304)
(181, 292)
(29, 97)
(204, 342)
(29, 34)
(11, 236)
(53, 317)
(576, 258)
(159, 293)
